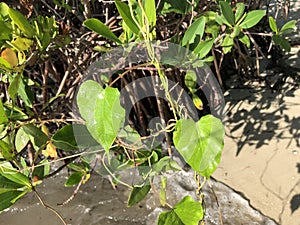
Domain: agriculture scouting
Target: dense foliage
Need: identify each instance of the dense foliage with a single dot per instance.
(58, 103)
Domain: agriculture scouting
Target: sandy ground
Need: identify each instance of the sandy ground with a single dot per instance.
(261, 157)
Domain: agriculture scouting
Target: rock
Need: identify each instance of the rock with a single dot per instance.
(235, 208)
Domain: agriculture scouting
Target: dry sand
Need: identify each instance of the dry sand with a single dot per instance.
(261, 157)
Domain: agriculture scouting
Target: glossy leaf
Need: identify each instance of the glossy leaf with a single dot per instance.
(227, 12)
(189, 211)
(3, 117)
(124, 11)
(100, 28)
(273, 25)
(186, 212)
(240, 9)
(102, 112)
(252, 18)
(200, 143)
(137, 194)
(196, 28)
(22, 23)
(73, 137)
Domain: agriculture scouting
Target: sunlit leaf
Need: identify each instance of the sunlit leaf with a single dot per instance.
(100, 28)
(273, 25)
(187, 211)
(200, 143)
(150, 10)
(196, 28)
(289, 26)
(20, 20)
(240, 9)
(124, 11)
(252, 18)
(102, 112)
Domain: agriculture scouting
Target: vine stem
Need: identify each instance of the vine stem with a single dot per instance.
(49, 207)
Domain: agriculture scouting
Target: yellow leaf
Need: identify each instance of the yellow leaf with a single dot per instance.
(45, 129)
(198, 102)
(50, 151)
(10, 56)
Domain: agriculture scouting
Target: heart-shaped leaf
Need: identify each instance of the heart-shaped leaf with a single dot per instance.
(200, 143)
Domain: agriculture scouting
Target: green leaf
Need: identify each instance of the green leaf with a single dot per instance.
(42, 169)
(289, 26)
(137, 194)
(190, 79)
(7, 185)
(204, 48)
(196, 28)
(22, 44)
(100, 28)
(252, 18)
(7, 199)
(186, 212)
(169, 218)
(284, 44)
(149, 6)
(37, 137)
(273, 25)
(25, 93)
(3, 117)
(227, 12)
(245, 40)
(189, 211)
(7, 171)
(6, 150)
(74, 179)
(4, 63)
(200, 143)
(102, 112)
(14, 86)
(124, 11)
(227, 44)
(240, 9)
(5, 31)
(20, 20)
(4, 9)
(73, 137)
(21, 139)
